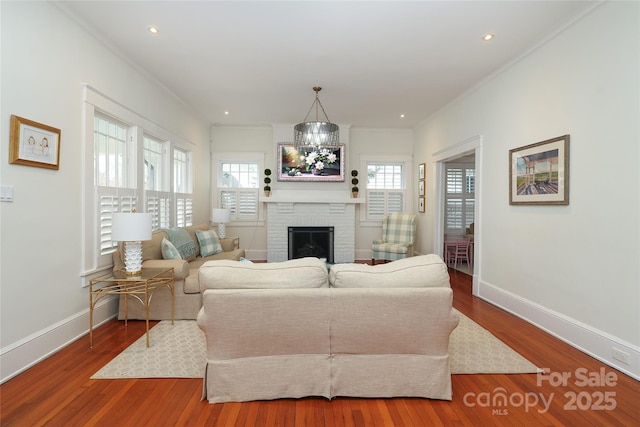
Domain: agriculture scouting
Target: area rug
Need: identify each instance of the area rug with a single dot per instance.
(178, 351)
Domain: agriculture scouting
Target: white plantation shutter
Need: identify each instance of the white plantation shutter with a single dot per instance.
(375, 203)
(184, 211)
(159, 206)
(247, 204)
(243, 203)
(381, 202)
(108, 205)
(395, 201)
(460, 202)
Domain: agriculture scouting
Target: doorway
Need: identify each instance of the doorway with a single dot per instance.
(467, 152)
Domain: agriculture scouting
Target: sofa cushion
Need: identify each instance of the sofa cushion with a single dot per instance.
(418, 271)
(296, 273)
(152, 249)
(169, 251)
(209, 242)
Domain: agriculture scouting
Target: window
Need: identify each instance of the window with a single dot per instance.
(156, 185)
(386, 185)
(128, 165)
(112, 154)
(238, 189)
(460, 197)
(182, 187)
(236, 184)
(111, 151)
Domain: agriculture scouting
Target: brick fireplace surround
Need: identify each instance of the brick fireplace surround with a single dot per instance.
(311, 209)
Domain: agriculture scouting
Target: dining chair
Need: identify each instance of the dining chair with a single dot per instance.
(459, 252)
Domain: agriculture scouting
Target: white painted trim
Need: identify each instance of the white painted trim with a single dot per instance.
(595, 343)
(21, 355)
(440, 157)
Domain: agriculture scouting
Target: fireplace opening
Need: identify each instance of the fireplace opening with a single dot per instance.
(311, 242)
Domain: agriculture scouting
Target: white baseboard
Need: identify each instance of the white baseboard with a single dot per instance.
(589, 340)
(25, 353)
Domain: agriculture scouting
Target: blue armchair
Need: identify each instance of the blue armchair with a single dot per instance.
(398, 231)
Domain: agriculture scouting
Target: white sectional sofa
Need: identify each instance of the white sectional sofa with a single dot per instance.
(289, 329)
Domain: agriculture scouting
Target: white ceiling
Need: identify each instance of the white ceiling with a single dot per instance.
(374, 59)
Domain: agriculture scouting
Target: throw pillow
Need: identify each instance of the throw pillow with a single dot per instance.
(169, 251)
(243, 259)
(182, 241)
(209, 242)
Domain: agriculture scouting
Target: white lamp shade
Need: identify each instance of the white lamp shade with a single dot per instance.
(131, 227)
(220, 215)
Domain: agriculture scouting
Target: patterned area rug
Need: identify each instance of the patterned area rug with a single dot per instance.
(179, 352)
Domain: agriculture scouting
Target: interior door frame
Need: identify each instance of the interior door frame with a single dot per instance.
(468, 146)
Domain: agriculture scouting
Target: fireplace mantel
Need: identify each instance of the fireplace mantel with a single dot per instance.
(315, 196)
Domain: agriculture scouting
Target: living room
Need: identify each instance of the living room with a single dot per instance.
(570, 270)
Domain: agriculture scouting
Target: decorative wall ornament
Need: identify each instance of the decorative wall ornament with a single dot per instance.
(34, 144)
(313, 165)
(539, 173)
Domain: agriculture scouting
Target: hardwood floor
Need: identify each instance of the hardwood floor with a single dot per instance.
(58, 390)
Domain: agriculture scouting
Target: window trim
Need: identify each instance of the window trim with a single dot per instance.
(407, 166)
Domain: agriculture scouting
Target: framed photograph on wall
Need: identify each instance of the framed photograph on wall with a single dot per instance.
(539, 173)
(421, 171)
(421, 188)
(314, 165)
(421, 202)
(33, 144)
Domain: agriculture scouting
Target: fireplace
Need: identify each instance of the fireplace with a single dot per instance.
(311, 242)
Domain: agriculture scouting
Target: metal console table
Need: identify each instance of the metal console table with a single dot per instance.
(141, 287)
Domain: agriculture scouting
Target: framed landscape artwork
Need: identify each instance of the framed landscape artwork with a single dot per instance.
(33, 144)
(539, 173)
(315, 165)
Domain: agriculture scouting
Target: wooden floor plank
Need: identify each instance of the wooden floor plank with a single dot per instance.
(58, 391)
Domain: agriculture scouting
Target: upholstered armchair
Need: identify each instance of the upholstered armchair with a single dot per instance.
(398, 231)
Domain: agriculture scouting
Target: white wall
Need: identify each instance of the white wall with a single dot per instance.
(46, 58)
(573, 269)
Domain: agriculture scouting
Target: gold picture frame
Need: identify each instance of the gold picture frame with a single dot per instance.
(421, 204)
(34, 144)
(539, 173)
(422, 170)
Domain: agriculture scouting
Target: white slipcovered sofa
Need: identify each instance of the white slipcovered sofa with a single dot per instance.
(289, 329)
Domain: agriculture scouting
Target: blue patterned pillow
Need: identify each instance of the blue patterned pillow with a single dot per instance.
(209, 242)
(169, 251)
(183, 242)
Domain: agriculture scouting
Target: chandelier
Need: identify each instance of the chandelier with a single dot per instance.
(310, 135)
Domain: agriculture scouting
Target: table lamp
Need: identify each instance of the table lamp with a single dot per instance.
(221, 216)
(131, 228)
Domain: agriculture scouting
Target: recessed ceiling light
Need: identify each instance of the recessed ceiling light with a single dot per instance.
(226, 113)
(153, 29)
(402, 116)
(487, 37)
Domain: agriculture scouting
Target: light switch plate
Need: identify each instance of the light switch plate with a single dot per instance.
(6, 193)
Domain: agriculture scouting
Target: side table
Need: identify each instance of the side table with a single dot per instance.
(141, 287)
